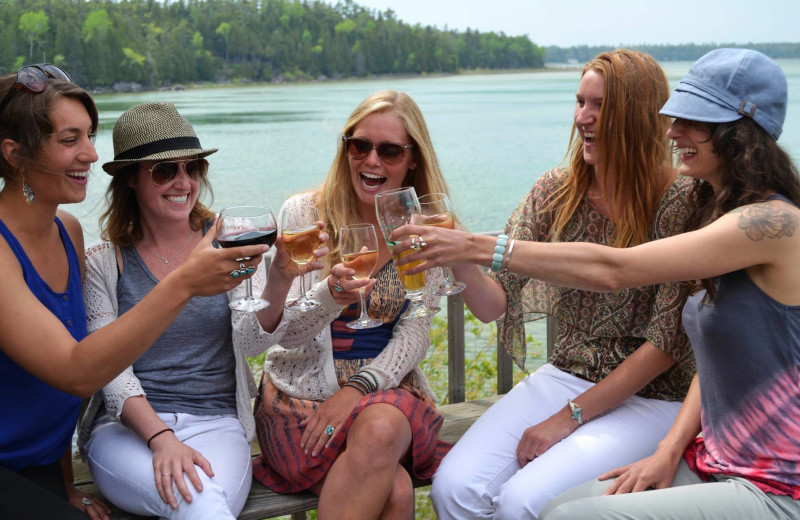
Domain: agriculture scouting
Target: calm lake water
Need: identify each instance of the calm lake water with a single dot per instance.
(494, 135)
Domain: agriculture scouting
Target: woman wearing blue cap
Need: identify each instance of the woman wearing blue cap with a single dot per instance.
(743, 320)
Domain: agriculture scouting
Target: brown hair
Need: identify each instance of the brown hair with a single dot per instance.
(632, 146)
(25, 118)
(336, 199)
(121, 222)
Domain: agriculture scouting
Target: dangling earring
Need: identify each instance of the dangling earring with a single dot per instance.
(27, 191)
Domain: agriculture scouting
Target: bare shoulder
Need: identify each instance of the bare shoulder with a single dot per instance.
(73, 227)
(771, 219)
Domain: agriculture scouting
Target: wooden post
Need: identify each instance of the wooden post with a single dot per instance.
(505, 369)
(456, 364)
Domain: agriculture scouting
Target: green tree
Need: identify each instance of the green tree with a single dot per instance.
(34, 25)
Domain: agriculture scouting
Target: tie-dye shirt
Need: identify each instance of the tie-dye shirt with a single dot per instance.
(747, 347)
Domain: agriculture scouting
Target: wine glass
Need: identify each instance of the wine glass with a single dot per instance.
(395, 208)
(300, 238)
(246, 226)
(437, 211)
(358, 245)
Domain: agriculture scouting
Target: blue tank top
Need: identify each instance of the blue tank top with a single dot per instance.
(39, 420)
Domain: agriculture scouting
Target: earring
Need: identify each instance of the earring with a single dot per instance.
(27, 191)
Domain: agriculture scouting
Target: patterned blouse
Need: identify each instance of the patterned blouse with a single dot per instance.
(597, 331)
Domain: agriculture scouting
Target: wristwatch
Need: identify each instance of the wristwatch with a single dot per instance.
(577, 412)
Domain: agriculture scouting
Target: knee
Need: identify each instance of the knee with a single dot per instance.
(514, 502)
(380, 436)
(453, 496)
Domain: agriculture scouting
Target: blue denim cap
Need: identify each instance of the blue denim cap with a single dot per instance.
(728, 84)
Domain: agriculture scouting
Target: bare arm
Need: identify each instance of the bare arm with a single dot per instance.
(81, 368)
(629, 377)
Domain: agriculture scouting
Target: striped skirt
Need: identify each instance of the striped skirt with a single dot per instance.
(283, 466)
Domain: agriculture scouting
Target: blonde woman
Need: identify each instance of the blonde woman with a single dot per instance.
(347, 413)
(622, 363)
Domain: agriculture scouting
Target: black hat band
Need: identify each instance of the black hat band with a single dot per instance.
(163, 145)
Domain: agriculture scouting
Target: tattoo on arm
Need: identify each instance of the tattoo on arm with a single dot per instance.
(767, 220)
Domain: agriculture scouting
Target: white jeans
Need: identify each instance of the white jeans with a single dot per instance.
(481, 478)
(122, 467)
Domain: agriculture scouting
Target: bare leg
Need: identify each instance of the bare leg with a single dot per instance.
(362, 479)
(400, 505)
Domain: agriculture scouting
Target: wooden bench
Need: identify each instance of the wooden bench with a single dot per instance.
(263, 503)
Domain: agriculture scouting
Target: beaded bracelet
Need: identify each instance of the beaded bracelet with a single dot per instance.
(508, 256)
(363, 381)
(499, 251)
(157, 434)
(371, 375)
(353, 384)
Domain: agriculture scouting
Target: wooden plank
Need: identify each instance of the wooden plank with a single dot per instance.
(456, 365)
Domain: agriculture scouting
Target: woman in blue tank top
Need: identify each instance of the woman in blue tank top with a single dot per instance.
(47, 362)
(743, 320)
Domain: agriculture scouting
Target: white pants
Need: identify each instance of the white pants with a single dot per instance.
(481, 478)
(122, 467)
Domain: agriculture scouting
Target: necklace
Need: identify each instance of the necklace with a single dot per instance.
(166, 260)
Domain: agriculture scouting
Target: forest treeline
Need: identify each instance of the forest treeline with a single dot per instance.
(156, 43)
(686, 52)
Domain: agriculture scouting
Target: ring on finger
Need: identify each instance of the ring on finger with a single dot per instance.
(329, 430)
(422, 244)
(86, 502)
(338, 288)
(414, 244)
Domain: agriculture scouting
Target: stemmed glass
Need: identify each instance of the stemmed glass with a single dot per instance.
(437, 211)
(394, 209)
(300, 238)
(358, 245)
(246, 226)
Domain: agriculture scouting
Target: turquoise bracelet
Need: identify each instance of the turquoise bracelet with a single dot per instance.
(499, 252)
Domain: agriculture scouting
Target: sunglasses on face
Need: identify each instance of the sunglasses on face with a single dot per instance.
(34, 79)
(389, 153)
(166, 171)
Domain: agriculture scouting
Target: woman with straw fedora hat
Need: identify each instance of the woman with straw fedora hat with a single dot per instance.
(181, 413)
(47, 361)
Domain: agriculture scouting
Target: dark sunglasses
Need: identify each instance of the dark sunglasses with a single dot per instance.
(166, 171)
(34, 78)
(389, 153)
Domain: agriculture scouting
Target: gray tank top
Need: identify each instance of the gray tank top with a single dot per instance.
(191, 367)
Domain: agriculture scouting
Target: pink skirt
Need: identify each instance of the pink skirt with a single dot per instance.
(283, 466)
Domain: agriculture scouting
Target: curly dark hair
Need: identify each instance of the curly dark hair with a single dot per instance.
(753, 166)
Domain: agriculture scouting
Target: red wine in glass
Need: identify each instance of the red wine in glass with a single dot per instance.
(249, 238)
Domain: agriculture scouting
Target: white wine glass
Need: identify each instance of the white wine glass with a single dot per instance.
(246, 226)
(300, 235)
(396, 208)
(437, 211)
(358, 246)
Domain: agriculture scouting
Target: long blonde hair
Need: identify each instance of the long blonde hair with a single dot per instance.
(336, 199)
(632, 146)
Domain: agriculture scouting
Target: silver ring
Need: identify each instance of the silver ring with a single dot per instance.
(329, 430)
(234, 274)
(337, 288)
(414, 244)
(86, 502)
(422, 244)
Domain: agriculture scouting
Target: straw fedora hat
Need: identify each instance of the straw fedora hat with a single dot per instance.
(152, 132)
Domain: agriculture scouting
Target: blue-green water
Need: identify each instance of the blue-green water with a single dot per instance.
(494, 135)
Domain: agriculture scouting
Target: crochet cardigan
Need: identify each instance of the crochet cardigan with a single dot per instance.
(302, 363)
(100, 297)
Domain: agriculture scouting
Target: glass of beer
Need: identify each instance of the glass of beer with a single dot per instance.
(358, 246)
(300, 235)
(396, 208)
(437, 211)
(245, 226)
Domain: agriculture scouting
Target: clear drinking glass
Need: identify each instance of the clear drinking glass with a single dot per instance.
(437, 211)
(246, 226)
(358, 246)
(300, 238)
(394, 209)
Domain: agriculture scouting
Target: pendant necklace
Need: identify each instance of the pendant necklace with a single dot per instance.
(166, 260)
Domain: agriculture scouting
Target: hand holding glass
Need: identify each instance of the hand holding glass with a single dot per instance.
(396, 208)
(300, 238)
(358, 245)
(437, 211)
(246, 226)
